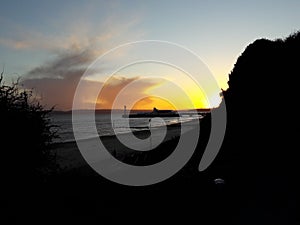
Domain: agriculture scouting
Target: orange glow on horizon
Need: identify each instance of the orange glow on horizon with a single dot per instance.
(151, 93)
(150, 102)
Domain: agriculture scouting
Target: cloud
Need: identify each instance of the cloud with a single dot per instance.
(72, 51)
(135, 89)
(56, 81)
(74, 31)
(59, 92)
(65, 65)
(15, 44)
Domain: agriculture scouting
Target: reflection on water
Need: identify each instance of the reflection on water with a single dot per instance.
(107, 127)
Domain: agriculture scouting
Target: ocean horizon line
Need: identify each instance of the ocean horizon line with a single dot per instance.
(131, 110)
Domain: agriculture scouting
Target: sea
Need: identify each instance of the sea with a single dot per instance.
(105, 126)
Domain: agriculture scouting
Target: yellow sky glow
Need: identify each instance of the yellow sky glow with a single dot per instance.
(147, 93)
(150, 102)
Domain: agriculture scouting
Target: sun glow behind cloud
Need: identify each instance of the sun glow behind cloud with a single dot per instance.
(154, 81)
(148, 103)
(149, 85)
(174, 85)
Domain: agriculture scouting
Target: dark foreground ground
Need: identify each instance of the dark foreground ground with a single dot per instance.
(81, 196)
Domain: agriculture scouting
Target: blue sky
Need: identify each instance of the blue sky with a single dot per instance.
(37, 32)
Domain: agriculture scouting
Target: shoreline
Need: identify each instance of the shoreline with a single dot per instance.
(69, 157)
(61, 140)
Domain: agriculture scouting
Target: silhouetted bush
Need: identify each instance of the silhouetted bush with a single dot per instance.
(26, 134)
(262, 103)
(259, 152)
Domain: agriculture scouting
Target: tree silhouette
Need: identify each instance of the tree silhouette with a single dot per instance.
(259, 149)
(26, 134)
(261, 100)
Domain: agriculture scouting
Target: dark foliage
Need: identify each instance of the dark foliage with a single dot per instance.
(26, 134)
(259, 152)
(262, 104)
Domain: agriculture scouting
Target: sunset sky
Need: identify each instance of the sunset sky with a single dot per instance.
(50, 44)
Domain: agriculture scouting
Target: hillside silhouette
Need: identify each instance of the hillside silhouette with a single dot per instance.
(259, 153)
(262, 102)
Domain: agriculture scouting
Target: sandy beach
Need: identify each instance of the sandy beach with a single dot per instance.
(69, 157)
